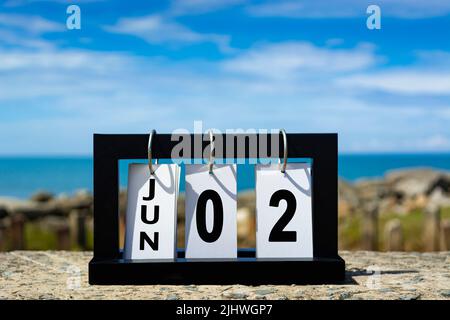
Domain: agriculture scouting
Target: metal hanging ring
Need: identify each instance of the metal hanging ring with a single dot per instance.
(285, 150)
(212, 152)
(150, 141)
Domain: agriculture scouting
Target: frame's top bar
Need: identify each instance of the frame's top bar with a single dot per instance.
(177, 146)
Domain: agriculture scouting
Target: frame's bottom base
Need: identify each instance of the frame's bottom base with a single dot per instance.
(246, 270)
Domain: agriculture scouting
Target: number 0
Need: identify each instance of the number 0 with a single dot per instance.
(201, 216)
(278, 234)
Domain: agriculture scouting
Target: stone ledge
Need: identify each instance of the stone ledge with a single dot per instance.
(63, 275)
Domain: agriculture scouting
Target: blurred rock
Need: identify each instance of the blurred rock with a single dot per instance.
(368, 189)
(246, 227)
(29, 209)
(393, 236)
(445, 235)
(3, 213)
(438, 198)
(348, 198)
(59, 206)
(42, 196)
(412, 182)
(52, 222)
(400, 191)
(246, 199)
(432, 227)
(123, 202)
(370, 228)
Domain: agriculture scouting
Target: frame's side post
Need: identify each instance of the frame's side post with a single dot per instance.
(106, 199)
(325, 195)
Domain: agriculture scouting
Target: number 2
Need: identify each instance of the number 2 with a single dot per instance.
(278, 234)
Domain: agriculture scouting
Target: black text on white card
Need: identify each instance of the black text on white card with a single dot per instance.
(151, 212)
(211, 205)
(284, 212)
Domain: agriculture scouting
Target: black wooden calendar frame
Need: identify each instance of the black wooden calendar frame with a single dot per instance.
(108, 267)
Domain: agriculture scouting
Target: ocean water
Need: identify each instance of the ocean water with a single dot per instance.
(22, 176)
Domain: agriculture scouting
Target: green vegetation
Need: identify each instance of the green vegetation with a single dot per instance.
(350, 232)
(350, 229)
(39, 238)
(412, 227)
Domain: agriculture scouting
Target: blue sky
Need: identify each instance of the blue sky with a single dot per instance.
(306, 66)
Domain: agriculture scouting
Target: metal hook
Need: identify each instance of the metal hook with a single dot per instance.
(212, 152)
(150, 140)
(285, 150)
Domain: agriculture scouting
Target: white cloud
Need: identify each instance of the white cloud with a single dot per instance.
(189, 7)
(288, 9)
(424, 143)
(289, 59)
(408, 9)
(435, 142)
(159, 29)
(67, 60)
(62, 96)
(18, 3)
(23, 41)
(444, 113)
(408, 82)
(30, 24)
(25, 31)
(434, 58)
